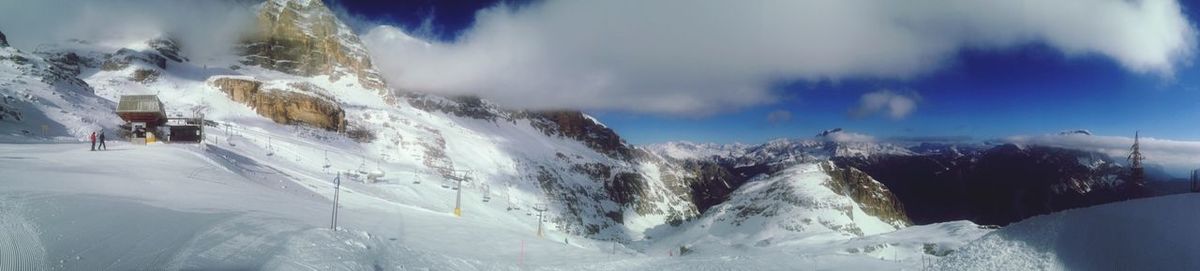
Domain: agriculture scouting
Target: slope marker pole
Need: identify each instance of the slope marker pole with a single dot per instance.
(337, 185)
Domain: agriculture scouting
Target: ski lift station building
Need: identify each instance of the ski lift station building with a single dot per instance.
(146, 120)
(145, 111)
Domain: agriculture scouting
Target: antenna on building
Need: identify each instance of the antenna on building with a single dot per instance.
(1137, 174)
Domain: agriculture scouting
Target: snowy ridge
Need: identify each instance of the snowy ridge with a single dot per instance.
(794, 205)
(38, 91)
(830, 144)
(1143, 234)
(683, 150)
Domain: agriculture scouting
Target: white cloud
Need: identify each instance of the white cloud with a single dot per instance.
(204, 28)
(779, 116)
(848, 137)
(702, 57)
(895, 105)
(1174, 155)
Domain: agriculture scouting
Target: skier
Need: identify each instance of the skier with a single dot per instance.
(102, 140)
(93, 139)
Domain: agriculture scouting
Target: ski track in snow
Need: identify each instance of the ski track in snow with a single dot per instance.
(20, 248)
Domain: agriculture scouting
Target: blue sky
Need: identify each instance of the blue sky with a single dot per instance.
(1025, 89)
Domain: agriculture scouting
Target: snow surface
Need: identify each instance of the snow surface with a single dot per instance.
(173, 207)
(1144, 234)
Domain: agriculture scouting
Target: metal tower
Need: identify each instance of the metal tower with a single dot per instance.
(540, 208)
(1195, 180)
(1137, 174)
(458, 196)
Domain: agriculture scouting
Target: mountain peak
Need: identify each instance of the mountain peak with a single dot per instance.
(3, 40)
(304, 37)
(1076, 132)
(826, 133)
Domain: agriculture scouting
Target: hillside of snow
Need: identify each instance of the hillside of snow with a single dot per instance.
(1143, 234)
(41, 98)
(795, 205)
(517, 159)
(230, 207)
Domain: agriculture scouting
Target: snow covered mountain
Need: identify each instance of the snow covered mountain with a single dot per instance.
(823, 146)
(305, 38)
(42, 97)
(302, 91)
(988, 183)
(298, 103)
(806, 202)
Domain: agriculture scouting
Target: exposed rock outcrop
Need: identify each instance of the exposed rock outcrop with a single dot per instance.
(569, 124)
(873, 197)
(3, 40)
(284, 106)
(305, 38)
(168, 48)
(145, 76)
(576, 125)
(124, 57)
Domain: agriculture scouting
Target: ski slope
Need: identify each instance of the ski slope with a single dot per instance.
(175, 207)
(1143, 234)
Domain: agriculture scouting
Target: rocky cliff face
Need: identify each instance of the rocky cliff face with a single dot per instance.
(569, 124)
(575, 125)
(797, 203)
(303, 37)
(44, 88)
(3, 40)
(872, 196)
(284, 106)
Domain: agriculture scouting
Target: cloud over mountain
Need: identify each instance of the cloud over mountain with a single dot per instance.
(703, 57)
(1175, 155)
(205, 28)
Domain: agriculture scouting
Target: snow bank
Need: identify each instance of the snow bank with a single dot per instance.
(1145, 234)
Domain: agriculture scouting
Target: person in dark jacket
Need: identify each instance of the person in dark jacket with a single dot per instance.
(102, 140)
(93, 139)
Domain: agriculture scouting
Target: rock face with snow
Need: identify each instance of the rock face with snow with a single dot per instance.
(3, 40)
(802, 203)
(284, 106)
(708, 173)
(303, 37)
(873, 197)
(42, 97)
(570, 124)
(577, 126)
